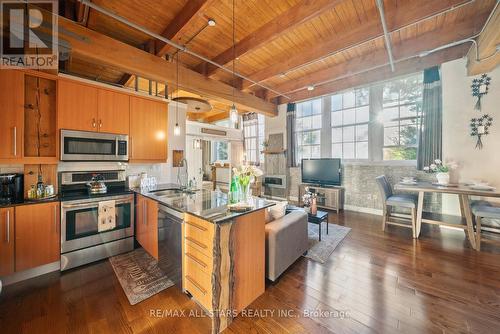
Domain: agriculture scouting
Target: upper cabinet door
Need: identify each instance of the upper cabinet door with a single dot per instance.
(148, 130)
(77, 106)
(11, 114)
(113, 112)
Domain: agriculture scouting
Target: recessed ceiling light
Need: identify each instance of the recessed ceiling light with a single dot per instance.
(211, 22)
(310, 87)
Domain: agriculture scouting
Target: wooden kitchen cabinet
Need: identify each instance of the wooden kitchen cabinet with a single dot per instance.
(77, 106)
(148, 130)
(7, 227)
(146, 225)
(11, 115)
(37, 235)
(113, 112)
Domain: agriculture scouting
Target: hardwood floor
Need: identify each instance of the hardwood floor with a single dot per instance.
(383, 282)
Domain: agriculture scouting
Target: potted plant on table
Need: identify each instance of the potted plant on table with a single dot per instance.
(441, 170)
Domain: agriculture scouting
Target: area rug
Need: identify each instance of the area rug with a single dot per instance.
(139, 275)
(320, 251)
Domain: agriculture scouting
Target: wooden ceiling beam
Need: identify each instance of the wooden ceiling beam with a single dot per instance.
(405, 49)
(191, 10)
(115, 54)
(302, 12)
(380, 74)
(488, 44)
(217, 117)
(397, 17)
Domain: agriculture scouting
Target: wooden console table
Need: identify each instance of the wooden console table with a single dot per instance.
(331, 198)
(463, 193)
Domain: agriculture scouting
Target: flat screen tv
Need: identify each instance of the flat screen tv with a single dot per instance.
(325, 172)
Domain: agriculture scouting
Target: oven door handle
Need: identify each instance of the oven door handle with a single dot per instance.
(92, 204)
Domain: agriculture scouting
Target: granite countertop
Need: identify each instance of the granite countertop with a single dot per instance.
(29, 202)
(208, 205)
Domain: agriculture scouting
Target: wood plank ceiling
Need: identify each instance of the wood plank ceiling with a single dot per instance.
(287, 45)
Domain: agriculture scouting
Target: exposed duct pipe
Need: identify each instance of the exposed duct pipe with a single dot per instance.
(175, 45)
(380, 5)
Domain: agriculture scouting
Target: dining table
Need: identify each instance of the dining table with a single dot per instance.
(463, 191)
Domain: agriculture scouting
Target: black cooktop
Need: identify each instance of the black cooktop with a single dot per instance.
(80, 191)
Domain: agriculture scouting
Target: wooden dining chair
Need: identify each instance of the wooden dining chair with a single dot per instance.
(390, 200)
(483, 210)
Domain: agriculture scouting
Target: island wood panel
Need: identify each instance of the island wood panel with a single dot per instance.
(113, 112)
(40, 114)
(249, 258)
(7, 227)
(77, 106)
(12, 112)
(148, 130)
(37, 235)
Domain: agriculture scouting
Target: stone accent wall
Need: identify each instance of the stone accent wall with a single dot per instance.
(361, 190)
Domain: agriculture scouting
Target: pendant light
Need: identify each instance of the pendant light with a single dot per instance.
(233, 112)
(177, 128)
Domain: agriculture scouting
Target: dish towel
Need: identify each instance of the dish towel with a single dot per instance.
(106, 216)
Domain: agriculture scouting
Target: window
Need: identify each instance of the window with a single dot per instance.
(220, 151)
(350, 116)
(402, 105)
(308, 130)
(253, 130)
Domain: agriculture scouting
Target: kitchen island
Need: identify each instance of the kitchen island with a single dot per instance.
(223, 252)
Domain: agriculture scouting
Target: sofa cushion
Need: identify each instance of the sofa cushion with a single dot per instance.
(278, 210)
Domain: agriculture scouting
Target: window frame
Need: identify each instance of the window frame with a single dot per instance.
(257, 122)
(354, 124)
(312, 129)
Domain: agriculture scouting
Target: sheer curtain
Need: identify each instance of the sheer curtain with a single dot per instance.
(431, 121)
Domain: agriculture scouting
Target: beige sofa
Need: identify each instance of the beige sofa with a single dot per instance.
(286, 240)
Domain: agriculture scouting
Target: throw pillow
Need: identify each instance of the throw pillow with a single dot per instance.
(277, 211)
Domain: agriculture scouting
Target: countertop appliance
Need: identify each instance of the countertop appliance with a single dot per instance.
(93, 146)
(11, 188)
(170, 243)
(81, 241)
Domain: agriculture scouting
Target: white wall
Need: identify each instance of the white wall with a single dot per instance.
(458, 145)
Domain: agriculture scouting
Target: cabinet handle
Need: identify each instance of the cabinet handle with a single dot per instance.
(8, 226)
(55, 218)
(15, 141)
(93, 122)
(100, 123)
(144, 213)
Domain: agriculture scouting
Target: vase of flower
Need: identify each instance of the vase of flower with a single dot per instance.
(443, 178)
(314, 207)
(441, 170)
(245, 174)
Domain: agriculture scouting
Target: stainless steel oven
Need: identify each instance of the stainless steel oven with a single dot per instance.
(93, 146)
(82, 243)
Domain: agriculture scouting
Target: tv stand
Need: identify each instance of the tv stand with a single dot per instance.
(327, 197)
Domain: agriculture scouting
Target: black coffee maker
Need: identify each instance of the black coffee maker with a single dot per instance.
(11, 188)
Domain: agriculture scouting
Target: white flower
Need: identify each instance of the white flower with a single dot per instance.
(426, 169)
(433, 166)
(437, 161)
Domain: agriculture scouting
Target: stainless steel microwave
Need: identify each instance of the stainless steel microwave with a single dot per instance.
(93, 146)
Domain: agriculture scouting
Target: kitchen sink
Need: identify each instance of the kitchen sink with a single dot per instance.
(172, 192)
